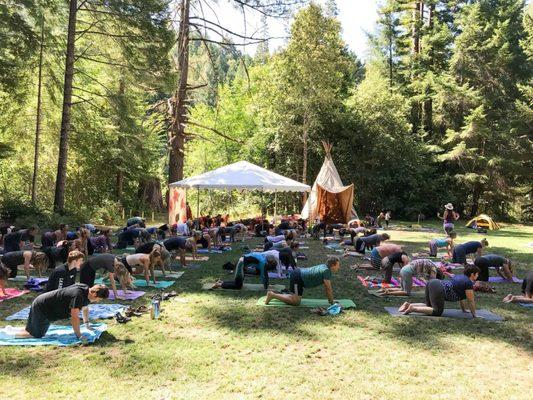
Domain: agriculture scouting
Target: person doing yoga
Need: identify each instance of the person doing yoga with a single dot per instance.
(181, 244)
(144, 261)
(527, 290)
(4, 273)
(401, 258)
(369, 242)
(56, 305)
(448, 218)
(503, 266)
(15, 241)
(301, 278)
(379, 253)
(258, 261)
(65, 275)
(459, 288)
(109, 263)
(462, 250)
(447, 242)
(27, 259)
(81, 243)
(421, 268)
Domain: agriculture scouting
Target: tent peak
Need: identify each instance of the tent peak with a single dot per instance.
(327, 148)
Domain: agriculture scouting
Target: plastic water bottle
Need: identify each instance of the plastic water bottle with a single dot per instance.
(155, 311)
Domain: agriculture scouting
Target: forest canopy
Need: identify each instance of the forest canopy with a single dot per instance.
(102, 104)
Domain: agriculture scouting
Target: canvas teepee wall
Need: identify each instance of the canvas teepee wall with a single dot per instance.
(329, 198)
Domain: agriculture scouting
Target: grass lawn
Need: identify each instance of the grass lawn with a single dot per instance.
(221, 345)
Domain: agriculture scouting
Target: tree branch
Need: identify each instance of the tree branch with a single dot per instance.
(214, 131)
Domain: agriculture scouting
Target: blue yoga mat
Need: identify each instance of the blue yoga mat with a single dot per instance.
(59, 335)
(96, 311)
(527, 305)
(141, 283)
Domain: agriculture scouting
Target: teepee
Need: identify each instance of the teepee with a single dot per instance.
(329, 199)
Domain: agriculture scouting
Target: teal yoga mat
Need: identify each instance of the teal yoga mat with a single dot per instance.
(141, 283)
(256, 287)
(310, 303)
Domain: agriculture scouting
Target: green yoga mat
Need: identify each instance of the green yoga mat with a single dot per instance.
(310, 303)
(256, 287)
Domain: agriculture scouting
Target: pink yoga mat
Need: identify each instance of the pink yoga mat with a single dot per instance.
(132, 294)
(12, 293)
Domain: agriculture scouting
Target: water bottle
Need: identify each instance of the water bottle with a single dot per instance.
(155, 311)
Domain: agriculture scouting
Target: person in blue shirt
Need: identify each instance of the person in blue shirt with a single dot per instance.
(462, 250)
(260, 262)
(459, 288)
(301, 278)
(447, 242)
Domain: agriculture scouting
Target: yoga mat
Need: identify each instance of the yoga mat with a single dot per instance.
(449, 313)
(12, 293)
(275, 275)
(378, 285)
(59, 335)
(527, 305)
(131, 295)
(256, 287)
(189, 266)
(172, 275)
(142, 283)
(206, 251)
(414, 293)
(199, 259)
(353, 254)
(96, 311)
(36, 284)
(334, 246)
(499, 279)
(345, 303)
(18, 278)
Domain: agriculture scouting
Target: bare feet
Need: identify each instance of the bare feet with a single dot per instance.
(269, 297)
(408, 310)
(216, 285)
(508, 298)
(404, 306)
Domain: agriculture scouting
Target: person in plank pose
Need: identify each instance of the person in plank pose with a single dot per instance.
(59, 304)
(464, 249)
(302, 278)
(260, 262)
(109, 263)
(15, 241)
(181, 244)
(459, 288)
(145, 261)
(447, 242)
(527, 290)
(65, 275)
(369, 242)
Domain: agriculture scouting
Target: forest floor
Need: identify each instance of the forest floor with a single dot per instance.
(221, 345)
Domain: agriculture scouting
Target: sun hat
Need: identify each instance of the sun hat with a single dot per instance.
(449, 206)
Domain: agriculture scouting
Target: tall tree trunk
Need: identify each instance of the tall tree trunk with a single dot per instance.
(38, 119)
(59, 199)
(179, 103)
(120, 143)
(428, 103)
(476, 195)
(390, 56)
(305, 138)
(416, 110)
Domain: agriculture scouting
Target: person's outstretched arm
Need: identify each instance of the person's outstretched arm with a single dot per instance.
(75, 321)
(329, 291)
(113, 285)
(27, 259)
(471, 302)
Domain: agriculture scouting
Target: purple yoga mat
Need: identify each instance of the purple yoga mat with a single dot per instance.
(499, 279)
(131, 295)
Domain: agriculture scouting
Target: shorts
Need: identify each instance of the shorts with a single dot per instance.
(87, 275)
(459, 255)
(448, 227)
(483, 266)
(37, 324)
(360, 246)
(375, 259)
(296, 284)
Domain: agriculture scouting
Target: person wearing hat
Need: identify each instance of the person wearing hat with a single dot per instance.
(448, 218)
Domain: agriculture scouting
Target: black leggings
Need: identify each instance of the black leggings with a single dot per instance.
(435, 297)
(236, 284)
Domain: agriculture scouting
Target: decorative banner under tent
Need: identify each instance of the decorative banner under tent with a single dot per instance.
(177, 205)
(330, 200)
(241, 175)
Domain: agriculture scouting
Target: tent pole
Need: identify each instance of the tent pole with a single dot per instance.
(275, 206)
(198, 208)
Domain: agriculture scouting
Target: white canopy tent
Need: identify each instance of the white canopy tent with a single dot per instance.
(241, 175)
